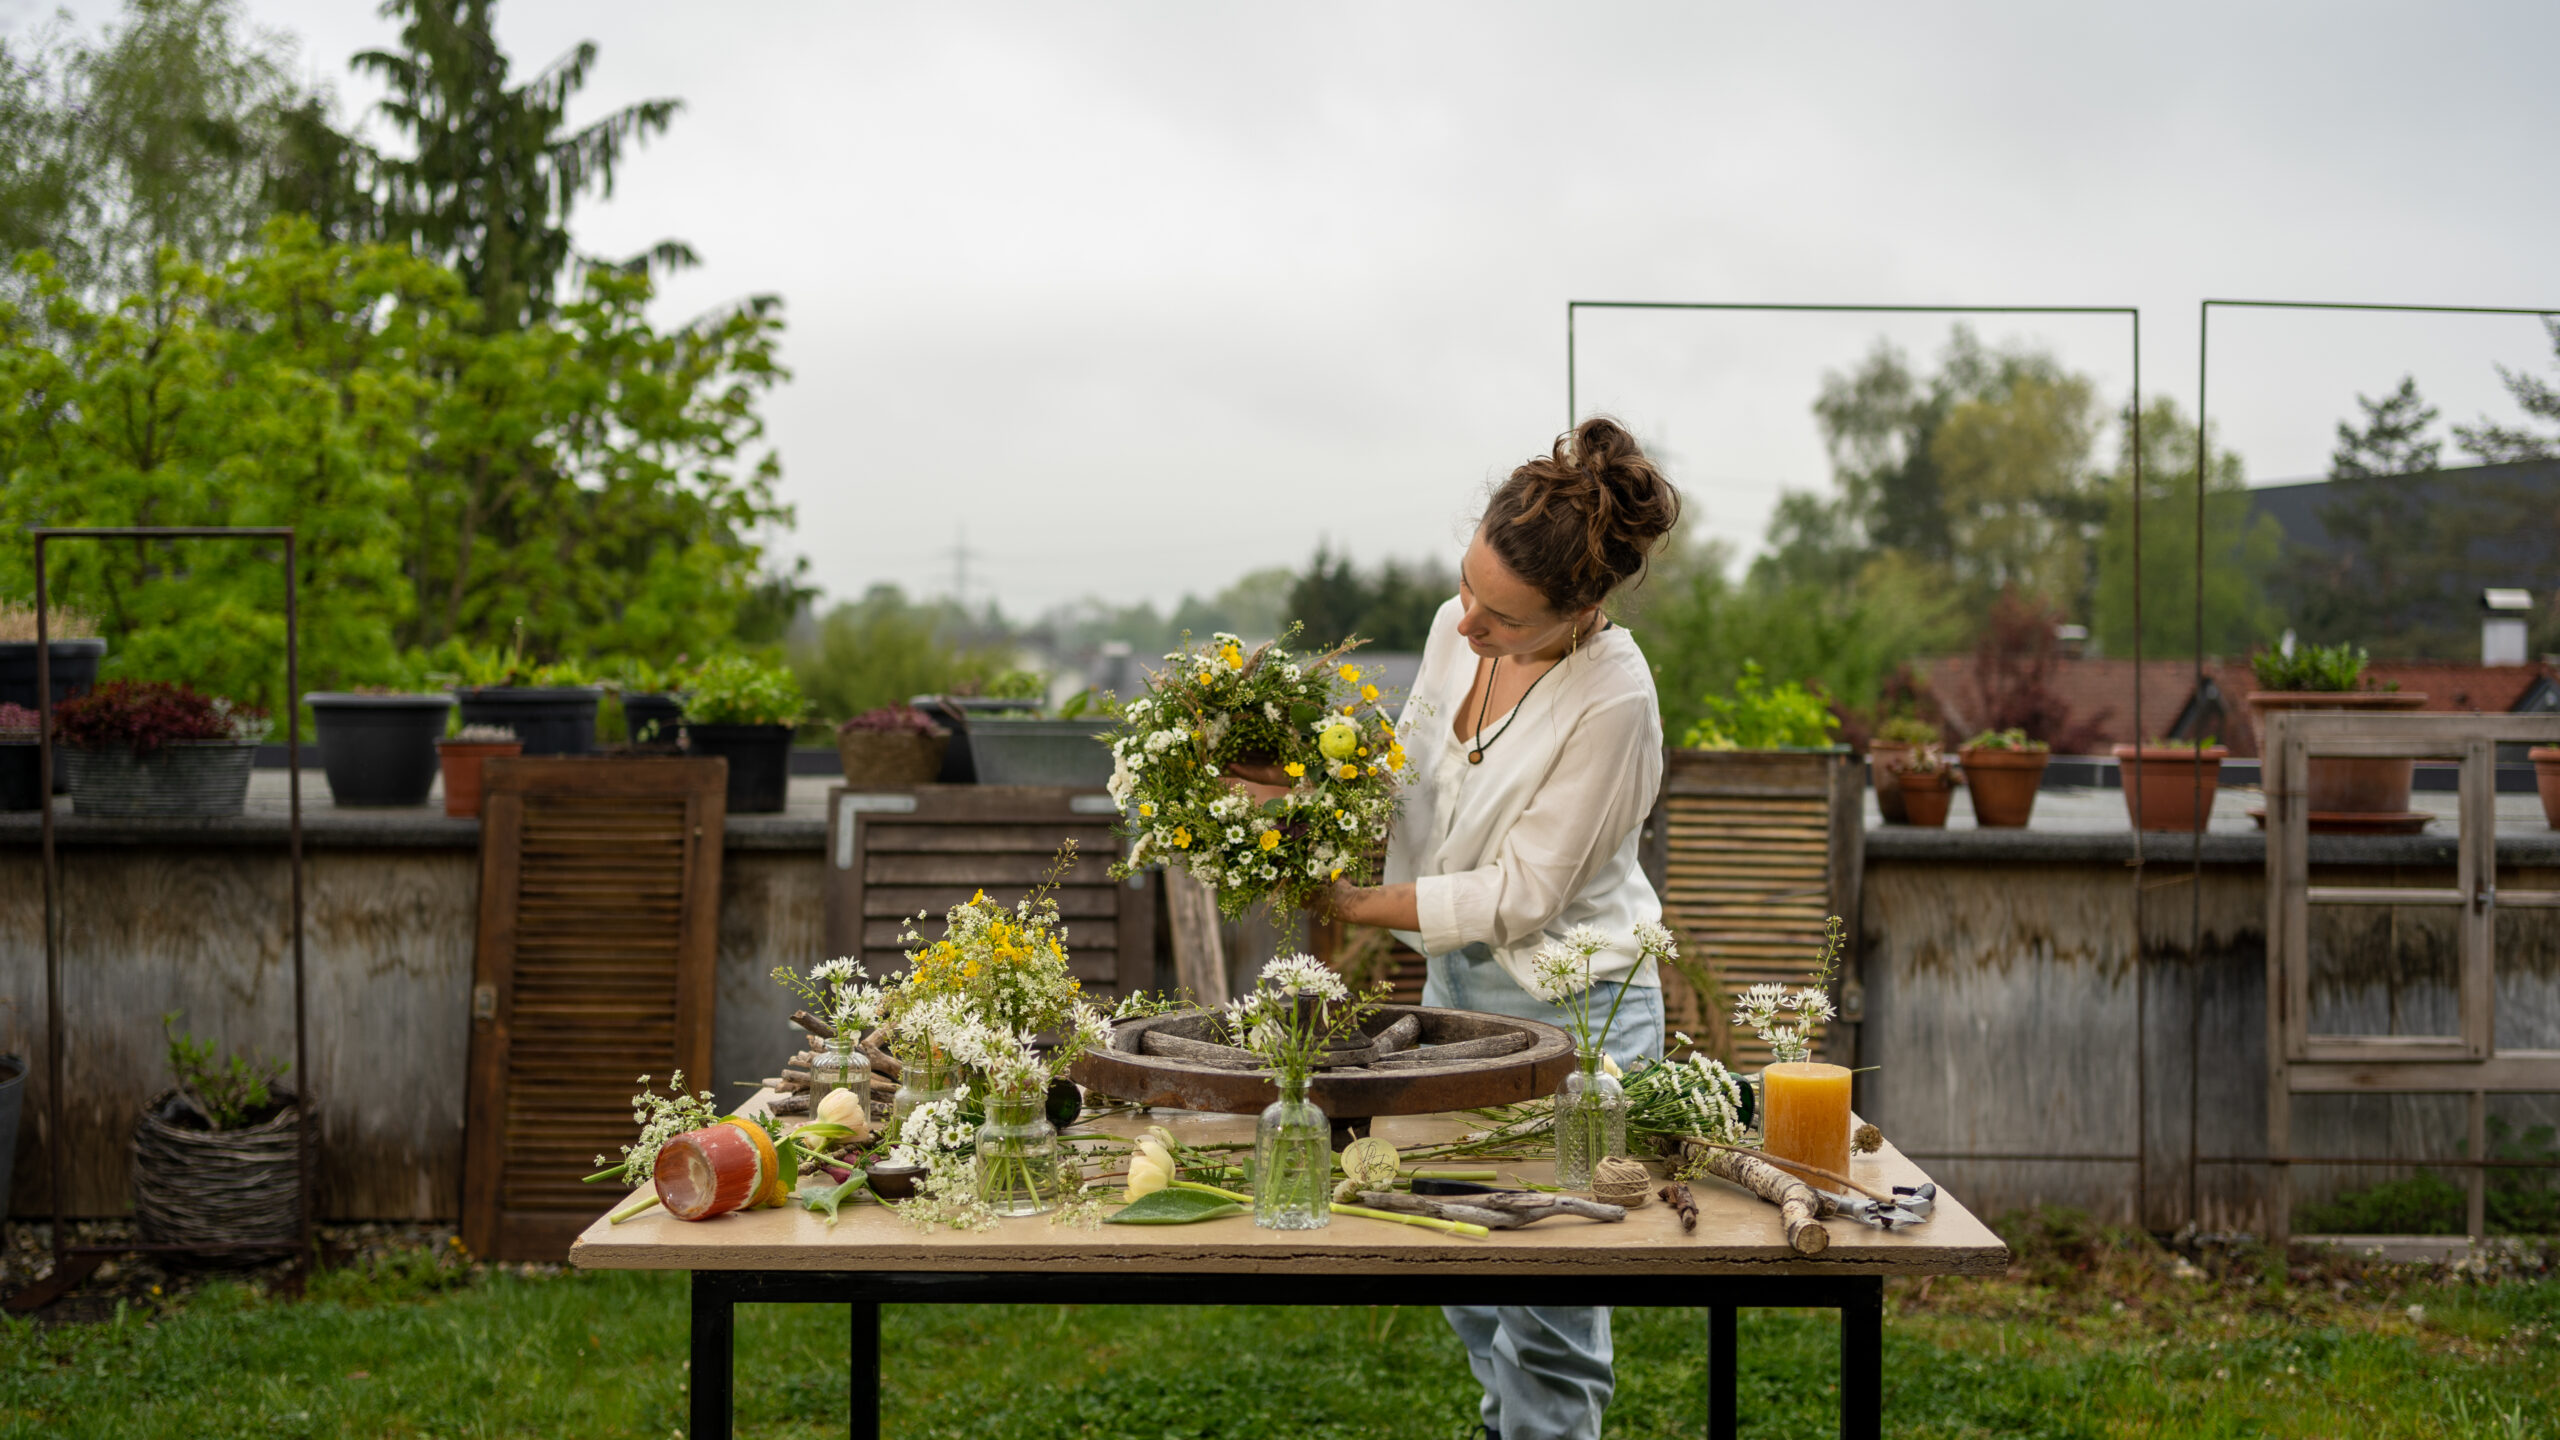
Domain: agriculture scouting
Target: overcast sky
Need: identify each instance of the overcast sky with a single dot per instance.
(1144, 296)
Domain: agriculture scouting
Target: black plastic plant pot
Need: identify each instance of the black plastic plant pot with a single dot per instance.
(75, 673)
(18, 767)
(379, 749)
(759, 759)
(651, 721)
(550, 720)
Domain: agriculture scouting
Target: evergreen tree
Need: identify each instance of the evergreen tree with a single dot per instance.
(2394, 438)
(2495, 443)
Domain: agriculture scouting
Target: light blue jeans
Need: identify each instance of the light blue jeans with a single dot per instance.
(1546, 1369)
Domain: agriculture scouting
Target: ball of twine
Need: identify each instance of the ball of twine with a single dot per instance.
(1620, 1181)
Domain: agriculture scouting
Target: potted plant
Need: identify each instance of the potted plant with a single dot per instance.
(72, 637)
(893, 745)
(216, 1157)
(1036, 746)
(550, 707)
(20, 758)
(2344, 791)
(460, 756)
(2172, 783)
(2003, 769)
(378, 746)
(1760, 716)
(2546, 778)
(744, 712)
(1926, 787)
(138, 749)
(652, 703)
(1896, 741)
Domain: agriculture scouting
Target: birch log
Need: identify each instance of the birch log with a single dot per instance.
(1797, 1205)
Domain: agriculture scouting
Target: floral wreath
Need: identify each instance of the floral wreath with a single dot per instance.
(1315, 721)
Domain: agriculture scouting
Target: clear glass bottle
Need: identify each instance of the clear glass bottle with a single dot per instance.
(838, 1065)
(1293, 1162)
(1018, 1157)
(922, 1080)
(1591, 1121)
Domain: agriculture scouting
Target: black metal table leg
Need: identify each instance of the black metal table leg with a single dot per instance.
(866, 1370)
(714, 1355)
(1721, 1415)
(1862, 1360)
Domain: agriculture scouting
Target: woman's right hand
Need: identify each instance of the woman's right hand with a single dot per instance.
(1262, 782)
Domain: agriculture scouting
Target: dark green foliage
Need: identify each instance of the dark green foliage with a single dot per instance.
(2393, 440)
(1391, 607)
(2239, 553)
(884, 649)
(232, 1093)
(494, 169)
(2537, 398)
(2519, 1201)
(739, 690)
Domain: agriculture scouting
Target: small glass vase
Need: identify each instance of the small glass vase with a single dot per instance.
(1591, 1121)
(1293, 1162)
(838, 1065)
(921, 1081)
(1017, 1157)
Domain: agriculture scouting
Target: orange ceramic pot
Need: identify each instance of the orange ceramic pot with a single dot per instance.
(2546, 778)
(1885, 759)
(2004, 785)
(461, 762)
(1925, 798)
(2344, 785)
(2162, 795)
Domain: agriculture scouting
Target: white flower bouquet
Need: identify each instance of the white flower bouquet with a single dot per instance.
(1313, 724)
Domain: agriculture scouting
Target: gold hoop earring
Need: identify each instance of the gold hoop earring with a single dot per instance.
(1575, 643)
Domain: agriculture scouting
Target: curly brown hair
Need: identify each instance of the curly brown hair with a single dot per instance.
(1583, 519)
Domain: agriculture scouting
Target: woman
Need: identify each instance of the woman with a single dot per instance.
(1538, 745)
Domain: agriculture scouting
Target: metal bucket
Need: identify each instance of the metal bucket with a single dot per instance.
(186, 780)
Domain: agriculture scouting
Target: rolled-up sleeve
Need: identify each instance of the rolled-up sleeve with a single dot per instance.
(1597, 793)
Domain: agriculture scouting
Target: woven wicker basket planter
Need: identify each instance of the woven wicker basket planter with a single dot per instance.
(891, 757)
(215, 1187)
(187, 780)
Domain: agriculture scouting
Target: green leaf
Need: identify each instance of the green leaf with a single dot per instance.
(1304, 713)
(1174, 1207)
(820, 1198)
(1275, 806)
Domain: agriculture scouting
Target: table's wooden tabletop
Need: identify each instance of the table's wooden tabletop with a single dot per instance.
(1737, 1233)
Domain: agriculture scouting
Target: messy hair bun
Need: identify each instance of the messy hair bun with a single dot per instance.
(1580, 521)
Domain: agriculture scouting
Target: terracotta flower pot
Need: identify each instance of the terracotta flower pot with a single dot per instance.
(1925, 798)
(1885, 759)
(2163, 795)
(461, 761)
(2004, 785)
(2546, 778)
(2343, 785)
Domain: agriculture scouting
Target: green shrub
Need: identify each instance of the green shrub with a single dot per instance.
(234, 1093)
(1907, 730)
(1759, 716)
(2005, 740)
(737, 690)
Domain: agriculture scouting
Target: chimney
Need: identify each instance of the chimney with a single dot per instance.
(2502, 626)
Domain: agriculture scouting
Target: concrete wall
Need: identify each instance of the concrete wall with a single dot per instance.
(388, 944)
(2011, 1015)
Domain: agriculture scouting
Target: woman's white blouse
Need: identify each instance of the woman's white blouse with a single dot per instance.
(1542, 836)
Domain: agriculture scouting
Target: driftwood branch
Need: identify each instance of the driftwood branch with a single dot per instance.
(1484, 1048)
(1198, 1052)
(1797, 1167)
(813, 1024)
(1681, 1198)
(1798, 1206)
(1402, 1035)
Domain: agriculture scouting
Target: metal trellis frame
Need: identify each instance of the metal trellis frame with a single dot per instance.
(73, 1263)
(2279, 1158)
(2133, 410)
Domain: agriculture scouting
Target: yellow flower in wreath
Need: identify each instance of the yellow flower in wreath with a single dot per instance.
(1369, 693)
(1270, 839)
(1296, 770)
(1350, 674)
(1182, 837)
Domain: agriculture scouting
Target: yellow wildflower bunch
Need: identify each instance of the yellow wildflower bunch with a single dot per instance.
(1318, 722)
(999, 966)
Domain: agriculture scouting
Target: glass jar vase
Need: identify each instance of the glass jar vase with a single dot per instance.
(1293, 1162)
(922, 1080)
(1591, 1121)
(839, 1065)
(1017, 1157)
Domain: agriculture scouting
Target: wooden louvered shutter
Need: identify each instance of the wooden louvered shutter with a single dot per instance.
(1751, 851)
(891, 853)
(599, 922)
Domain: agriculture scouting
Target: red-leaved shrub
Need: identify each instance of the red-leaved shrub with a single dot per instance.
(143, 715)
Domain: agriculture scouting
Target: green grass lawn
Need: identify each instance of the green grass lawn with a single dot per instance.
(2091, 1336)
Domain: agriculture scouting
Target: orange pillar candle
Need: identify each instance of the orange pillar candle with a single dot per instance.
(1805, 1115)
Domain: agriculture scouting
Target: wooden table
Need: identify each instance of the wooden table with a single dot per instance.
(1737, 1257)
